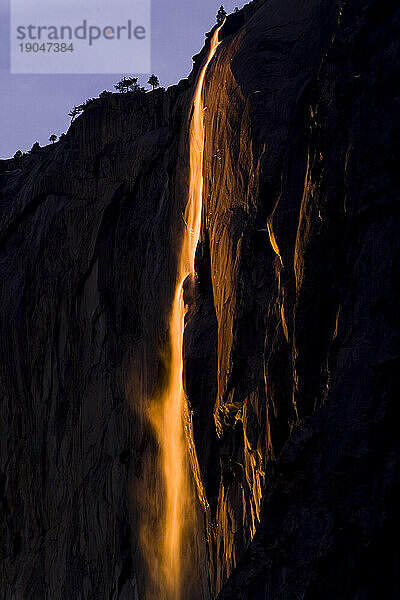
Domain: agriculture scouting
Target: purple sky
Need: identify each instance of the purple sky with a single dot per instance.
(34, 106)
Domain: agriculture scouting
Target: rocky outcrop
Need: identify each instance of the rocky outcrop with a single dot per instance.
(292, 338)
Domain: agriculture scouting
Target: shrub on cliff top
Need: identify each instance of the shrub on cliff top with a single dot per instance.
(221, 15)
(75, 112)
(35, 148)
(154, 82)
(127, 84)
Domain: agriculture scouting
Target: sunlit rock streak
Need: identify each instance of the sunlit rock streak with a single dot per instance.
(170, 414)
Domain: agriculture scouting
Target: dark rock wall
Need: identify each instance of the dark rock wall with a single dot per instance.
(83, 225)
(328, 185)
(257, 130)
(291, 346)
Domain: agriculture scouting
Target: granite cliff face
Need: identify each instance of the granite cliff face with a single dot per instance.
(292, 336)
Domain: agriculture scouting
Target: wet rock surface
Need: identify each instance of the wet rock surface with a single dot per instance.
(292, 337)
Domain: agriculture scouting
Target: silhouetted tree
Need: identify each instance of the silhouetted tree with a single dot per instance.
(121, 86)
(53, 138)
(127, 84)
(221, 15)
(104, 94)
(35, 148)
(236, 9)
(75, 112)
(18, 155)
(133, 85)
(154, 82)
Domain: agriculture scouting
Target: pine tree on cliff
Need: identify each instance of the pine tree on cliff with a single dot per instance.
(35, 148)
(127, 84)
(154, 82)
(221, 15)
(75, 112)
(122, 85)
(132, 83)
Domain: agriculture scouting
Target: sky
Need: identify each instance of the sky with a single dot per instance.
(35, 106)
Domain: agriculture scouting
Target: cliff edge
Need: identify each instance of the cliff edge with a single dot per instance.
(292, 335)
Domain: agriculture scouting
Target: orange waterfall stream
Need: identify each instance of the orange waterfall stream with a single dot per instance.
(170, 414)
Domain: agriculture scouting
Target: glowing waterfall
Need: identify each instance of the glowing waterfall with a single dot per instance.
(169, 413)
